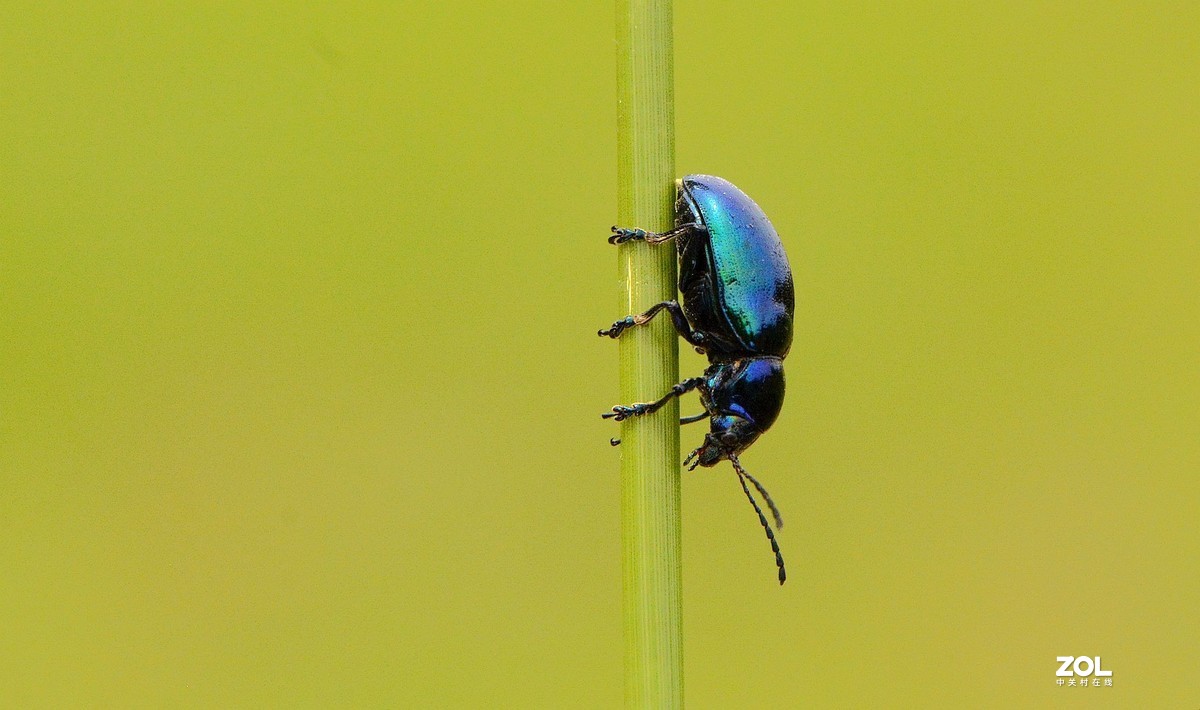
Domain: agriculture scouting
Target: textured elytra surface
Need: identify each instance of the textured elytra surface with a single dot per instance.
(751, 276)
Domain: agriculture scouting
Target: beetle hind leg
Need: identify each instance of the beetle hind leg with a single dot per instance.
(621, 235)
(677, 318)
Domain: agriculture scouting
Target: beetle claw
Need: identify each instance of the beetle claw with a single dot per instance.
(622, 412)
(618, 327)
(620, 235)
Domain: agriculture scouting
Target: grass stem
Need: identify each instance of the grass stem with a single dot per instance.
(649, 362)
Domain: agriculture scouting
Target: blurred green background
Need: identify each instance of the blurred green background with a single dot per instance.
(301, 389)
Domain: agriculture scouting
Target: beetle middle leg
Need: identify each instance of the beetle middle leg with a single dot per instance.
(622, 412)
(677, 318)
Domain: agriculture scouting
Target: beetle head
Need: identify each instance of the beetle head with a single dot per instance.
(729, 436)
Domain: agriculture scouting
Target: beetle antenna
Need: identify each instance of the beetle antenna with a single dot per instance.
(693, 455)
(767, 528)
(737, 465)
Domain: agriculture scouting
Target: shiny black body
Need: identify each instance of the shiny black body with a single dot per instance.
(737, 308)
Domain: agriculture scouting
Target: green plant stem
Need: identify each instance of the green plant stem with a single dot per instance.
(650, 473)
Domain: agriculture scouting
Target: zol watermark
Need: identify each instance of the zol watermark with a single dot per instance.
(1082, 671)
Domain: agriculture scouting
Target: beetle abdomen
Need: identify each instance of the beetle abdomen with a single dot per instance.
(750, 274)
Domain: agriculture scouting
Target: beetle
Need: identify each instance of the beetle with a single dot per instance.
(738, 307)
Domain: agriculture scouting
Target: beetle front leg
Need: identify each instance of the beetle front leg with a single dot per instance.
(620, 235)
(682, 420)
(677, 317)
(622, 412)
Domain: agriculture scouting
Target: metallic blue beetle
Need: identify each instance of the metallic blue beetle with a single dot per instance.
(738, 304)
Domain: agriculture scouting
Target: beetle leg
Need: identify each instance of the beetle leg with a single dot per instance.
(621, 235)
(677, 317)
(622, 412)
(682, 420)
